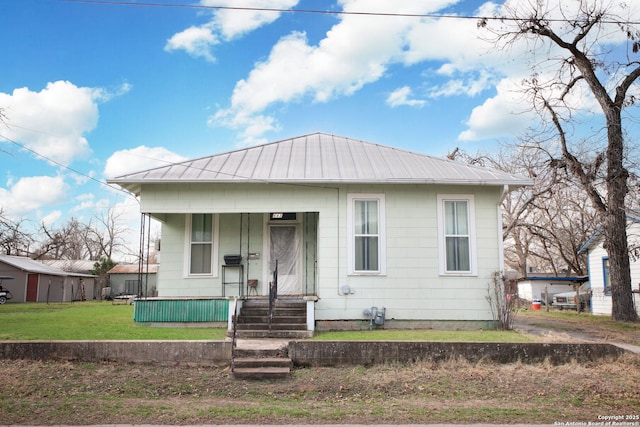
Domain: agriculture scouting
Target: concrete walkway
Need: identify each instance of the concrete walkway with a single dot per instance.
(262, 344)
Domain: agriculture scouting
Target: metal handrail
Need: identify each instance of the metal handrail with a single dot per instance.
(234, 336)
(273, 295)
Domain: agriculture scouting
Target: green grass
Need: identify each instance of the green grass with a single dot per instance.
(90, 320)
(422, 335)
(100, 320)
(583, 318)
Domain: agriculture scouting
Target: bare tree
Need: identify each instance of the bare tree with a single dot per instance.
(544, 225)
(108, 233)
(70, 242)
(14, 239)
(574, 34)
(99, 238)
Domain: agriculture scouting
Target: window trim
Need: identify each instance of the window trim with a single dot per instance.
(471, 218)
(187, 247)
(382, 243)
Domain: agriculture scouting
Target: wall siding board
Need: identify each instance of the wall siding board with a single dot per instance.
(412, 286)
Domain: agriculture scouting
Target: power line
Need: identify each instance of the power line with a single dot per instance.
(24, 147)
(279, 10)
(325, 12)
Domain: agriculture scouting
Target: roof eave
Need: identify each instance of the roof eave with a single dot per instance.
(134, 186)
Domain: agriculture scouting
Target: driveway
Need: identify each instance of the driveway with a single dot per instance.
(547, 329)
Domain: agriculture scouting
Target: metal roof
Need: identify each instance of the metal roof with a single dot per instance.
(32, 266)
(320, 158)
(76, 266)
(133, 268)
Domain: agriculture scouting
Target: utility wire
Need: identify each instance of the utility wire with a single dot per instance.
(69, 168)
(324, 12)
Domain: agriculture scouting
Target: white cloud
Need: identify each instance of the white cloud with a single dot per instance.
(235, 23)
(31, 193)
(226, 25)
(357, 51)
(505, 114)
(137, 159)
(353, 53)
(54, 121)
(51, 218)
(401, 96)
(196, 41)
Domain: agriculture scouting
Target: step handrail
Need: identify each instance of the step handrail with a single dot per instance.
(273, 295)
(234, 334)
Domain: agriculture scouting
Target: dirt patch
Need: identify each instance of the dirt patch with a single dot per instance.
(49, 393)
(579, 328)
(52, 393)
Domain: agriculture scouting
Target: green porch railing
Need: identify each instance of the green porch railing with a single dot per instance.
(181, 310)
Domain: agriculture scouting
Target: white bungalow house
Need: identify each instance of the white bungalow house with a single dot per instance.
(598, 265)
(352, 225)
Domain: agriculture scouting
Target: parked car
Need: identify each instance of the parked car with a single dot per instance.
(570, 299)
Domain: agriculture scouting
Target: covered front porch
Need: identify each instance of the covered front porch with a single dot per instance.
(210, 263)
(254, 246)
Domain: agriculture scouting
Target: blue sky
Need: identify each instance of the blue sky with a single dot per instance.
(100, 90)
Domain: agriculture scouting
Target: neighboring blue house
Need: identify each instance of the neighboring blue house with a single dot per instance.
(598, 264)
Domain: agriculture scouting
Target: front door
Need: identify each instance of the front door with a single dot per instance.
(285, 247)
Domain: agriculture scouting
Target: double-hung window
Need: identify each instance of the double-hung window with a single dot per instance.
(366, 230)
(606, 275)
(201, 250)
(457, 234)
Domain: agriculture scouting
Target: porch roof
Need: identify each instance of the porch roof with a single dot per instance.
(320, 158)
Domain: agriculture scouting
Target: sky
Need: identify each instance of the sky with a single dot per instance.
(95, 89)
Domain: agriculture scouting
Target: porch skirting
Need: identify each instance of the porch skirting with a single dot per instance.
(181, 310)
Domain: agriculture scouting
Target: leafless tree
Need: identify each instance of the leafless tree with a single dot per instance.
(70, 242)
(14, 239)
(544, 225)
(108, 233)
(578, 63)
(99, 238)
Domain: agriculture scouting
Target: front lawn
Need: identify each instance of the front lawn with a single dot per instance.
(88, 320)
(102, 320)
(421, 335)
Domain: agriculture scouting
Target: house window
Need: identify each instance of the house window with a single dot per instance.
(606, 276)
(201, 251)
(366, 248)
(457, 234)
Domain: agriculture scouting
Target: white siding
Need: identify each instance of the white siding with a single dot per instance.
(412, 289)
(533, 289)
(601, 303)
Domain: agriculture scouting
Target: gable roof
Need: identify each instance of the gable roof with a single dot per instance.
(320, 158)
(29, 265)
(597, 237)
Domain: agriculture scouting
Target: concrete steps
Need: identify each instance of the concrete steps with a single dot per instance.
(261, 352)
(289, 320)
(261, 360)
